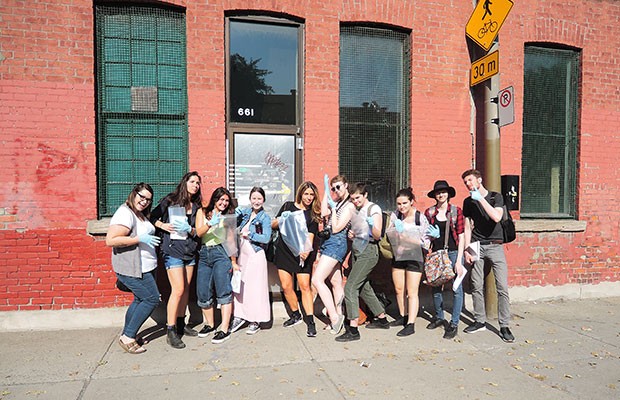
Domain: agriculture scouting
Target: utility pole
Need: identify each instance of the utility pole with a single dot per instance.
(492, 164)
(482, 29)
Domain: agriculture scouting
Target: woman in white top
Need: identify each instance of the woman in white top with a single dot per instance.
(134, 260)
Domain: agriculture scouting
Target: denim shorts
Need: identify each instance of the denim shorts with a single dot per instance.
(173, 262)
(336, 246)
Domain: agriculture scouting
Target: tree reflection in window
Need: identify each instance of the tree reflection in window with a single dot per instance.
(263, 73)
(247, 88)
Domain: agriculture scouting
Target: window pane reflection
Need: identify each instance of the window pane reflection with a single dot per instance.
(263, 73)
(267, 161)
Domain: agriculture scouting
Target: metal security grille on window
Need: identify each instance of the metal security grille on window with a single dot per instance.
(141, 101)
(374, 110)
(550, 115)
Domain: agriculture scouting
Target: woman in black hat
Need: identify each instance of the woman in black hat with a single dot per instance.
(438, 216)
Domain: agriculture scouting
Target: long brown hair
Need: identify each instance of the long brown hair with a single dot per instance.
(181, 196)
(315, 207)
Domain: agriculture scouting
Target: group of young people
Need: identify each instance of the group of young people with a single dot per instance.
(192, 237)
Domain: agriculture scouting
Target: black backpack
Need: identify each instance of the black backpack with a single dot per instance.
(508, 225)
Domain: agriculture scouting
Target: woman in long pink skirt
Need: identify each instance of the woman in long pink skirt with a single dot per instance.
(251, 304)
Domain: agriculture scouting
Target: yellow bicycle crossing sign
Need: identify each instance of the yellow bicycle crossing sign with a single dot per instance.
(486, 21)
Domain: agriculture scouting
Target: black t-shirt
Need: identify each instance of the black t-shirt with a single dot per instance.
(485, 228)
(439, 242)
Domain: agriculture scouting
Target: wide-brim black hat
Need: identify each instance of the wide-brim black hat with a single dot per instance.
(442, 185)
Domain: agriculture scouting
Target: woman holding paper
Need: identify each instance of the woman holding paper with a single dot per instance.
(447, 218)
(175, 216)
(252, 302)
(338, 212)
(408, 227)
(214, 263)
(289, 265)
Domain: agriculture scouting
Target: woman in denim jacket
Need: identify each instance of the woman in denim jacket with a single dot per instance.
(252, 302)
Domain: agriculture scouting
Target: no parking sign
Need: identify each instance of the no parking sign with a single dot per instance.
(506, 106)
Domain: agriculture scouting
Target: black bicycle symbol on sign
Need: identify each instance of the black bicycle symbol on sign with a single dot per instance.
(490, 26)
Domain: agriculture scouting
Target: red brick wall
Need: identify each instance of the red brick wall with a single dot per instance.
(47, 129)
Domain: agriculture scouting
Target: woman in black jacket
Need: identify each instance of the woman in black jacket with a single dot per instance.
(179, 250)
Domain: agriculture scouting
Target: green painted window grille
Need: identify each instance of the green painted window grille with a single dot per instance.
(374, 135)
(550, 131)
(141, 101)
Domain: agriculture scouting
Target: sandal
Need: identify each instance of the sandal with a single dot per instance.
(132, 347)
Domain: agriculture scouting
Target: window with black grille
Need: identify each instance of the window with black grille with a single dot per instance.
(374, 110)
(550, 131)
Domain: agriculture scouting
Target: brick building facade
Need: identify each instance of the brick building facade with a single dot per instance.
(52, 253)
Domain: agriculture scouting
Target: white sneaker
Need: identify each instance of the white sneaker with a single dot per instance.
(236, 324)
(253, 328)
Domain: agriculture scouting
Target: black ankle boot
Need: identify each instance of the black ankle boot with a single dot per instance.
(180, 326)
(173, 339)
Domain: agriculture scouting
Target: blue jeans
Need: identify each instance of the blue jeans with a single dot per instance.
(145, 300)
(457, 305)
(214, 270)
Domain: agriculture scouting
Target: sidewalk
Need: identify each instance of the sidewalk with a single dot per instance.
(563, 350)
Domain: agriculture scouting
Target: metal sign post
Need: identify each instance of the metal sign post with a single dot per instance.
(482, 28)
(506, 106)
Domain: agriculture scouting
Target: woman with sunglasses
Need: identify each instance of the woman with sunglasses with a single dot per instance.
(289, 265)
(132, 236)
(179, 252)
(337, 213)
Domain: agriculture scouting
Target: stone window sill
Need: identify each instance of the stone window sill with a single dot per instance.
(98, 227)
(550, 225)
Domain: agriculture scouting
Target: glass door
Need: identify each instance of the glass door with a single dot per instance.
(265, 160)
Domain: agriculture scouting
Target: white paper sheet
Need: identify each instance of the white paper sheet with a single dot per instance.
(458, 280)
(176, 213)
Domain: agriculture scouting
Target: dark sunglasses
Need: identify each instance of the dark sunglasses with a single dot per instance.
(142, 197)
(335, 187)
